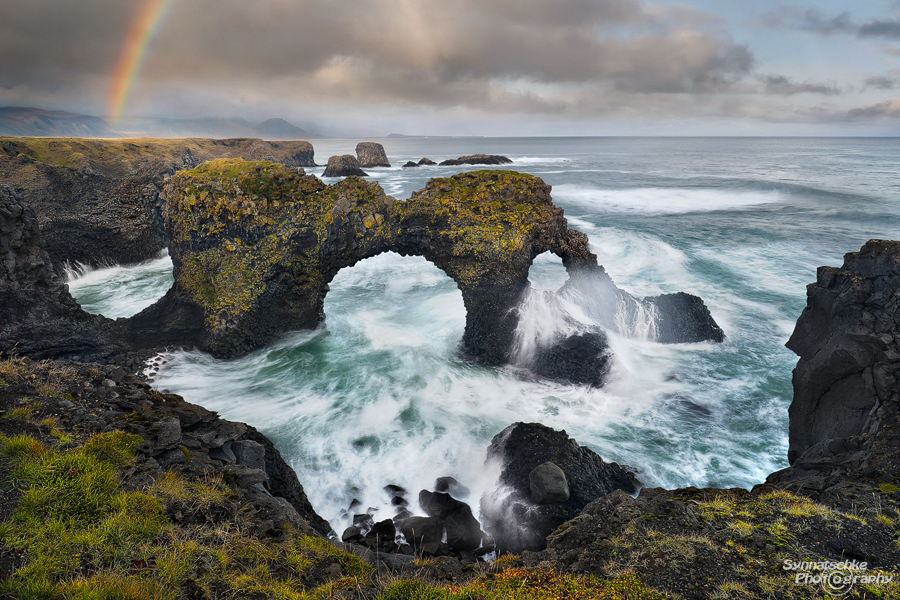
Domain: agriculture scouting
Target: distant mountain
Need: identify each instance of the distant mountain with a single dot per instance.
(34, 122)
(279, 129)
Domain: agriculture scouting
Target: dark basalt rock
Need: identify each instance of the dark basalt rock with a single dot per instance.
(426, 161)
(477, 159)
(683, 318)
(344, 165)
(583, 358)
(410, 164)
(845, 383)
(371, 154)
(511, 517)
(419, 531)
(463, 530)
(38, 316)
(451, 486)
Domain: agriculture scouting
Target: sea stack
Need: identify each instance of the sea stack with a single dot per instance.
(371, 154)
(344, 165)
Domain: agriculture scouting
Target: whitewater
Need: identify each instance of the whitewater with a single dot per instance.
(380, 395)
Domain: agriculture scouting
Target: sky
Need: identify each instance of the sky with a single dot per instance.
(466, 67)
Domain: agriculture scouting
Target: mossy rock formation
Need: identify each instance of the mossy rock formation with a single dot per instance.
(255, 245)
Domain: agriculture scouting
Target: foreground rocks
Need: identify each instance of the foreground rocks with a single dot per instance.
(546, 479)
(178, 437)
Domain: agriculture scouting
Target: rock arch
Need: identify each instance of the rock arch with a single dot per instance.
(254, 246)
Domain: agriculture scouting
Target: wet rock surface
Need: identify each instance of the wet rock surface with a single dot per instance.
(515, 520)
(582, 358)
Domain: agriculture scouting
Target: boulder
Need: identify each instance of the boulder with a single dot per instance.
(548, 484)
(408, 164)
(344, 165)
(477, 159)
(426, 161)
(371, 154)
(582, 358)
(463, 530)
(510, 514)
(451, 486)
(422, 530)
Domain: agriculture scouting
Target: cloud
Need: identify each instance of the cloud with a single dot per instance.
(783, 86)
(884, 29)
(476, 53)
(882, 82)
(889, 109)
(811, 20)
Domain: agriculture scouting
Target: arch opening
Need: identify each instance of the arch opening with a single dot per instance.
(121, 290)
(390, 301)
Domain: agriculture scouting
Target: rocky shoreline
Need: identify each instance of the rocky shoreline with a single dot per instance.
(561, 513)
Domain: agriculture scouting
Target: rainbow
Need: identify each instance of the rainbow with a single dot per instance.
(142, 32)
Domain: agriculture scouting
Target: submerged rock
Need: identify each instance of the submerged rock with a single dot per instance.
(371, 154)
(582, 358)
(477, 159)
(512, 516)
(344, 165)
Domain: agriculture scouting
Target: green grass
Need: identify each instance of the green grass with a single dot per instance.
(83, 536)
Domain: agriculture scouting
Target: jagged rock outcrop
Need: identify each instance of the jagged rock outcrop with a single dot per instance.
(98, 202)
(475, 159)
(344, 165)
(408, 164)
(256, 266)
(847, 339)
(371, 154)
(519, 514)
(38, 316)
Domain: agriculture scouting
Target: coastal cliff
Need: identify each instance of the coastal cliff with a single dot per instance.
(98, 201)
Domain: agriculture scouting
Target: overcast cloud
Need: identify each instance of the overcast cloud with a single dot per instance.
(428, 65)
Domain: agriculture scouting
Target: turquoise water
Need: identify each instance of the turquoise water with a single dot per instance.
(378, 394)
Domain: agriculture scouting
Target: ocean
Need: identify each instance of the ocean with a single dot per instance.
(379, 394)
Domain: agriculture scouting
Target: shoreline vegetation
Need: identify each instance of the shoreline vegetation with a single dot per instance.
(110, 489)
